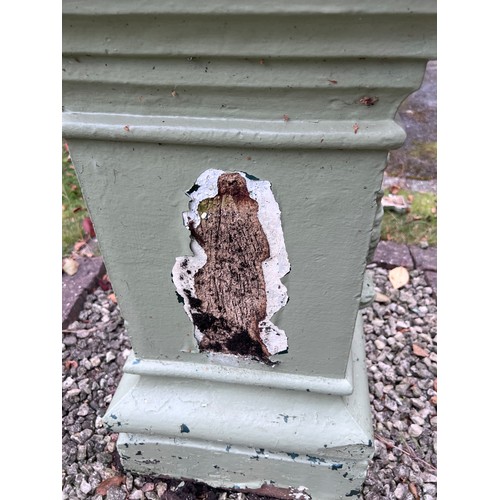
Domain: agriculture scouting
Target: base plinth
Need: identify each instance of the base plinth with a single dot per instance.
(243, 436)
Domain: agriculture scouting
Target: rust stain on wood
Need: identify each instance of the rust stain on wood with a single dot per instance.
(230, 288)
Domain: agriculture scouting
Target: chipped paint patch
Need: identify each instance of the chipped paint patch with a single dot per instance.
(353, 493)
(225, 209)
(287, 417)
(315, 460)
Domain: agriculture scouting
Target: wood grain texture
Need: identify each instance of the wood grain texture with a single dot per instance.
(230, 288)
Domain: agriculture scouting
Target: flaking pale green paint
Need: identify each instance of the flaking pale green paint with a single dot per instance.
(157, 92)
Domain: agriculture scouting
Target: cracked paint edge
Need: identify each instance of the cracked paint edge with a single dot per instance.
(274, 268)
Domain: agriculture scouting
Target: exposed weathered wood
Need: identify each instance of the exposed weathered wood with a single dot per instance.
(230, 288)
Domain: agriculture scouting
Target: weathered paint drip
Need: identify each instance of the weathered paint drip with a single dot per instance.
(231, 286)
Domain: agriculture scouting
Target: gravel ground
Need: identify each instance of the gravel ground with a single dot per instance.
(401, 346)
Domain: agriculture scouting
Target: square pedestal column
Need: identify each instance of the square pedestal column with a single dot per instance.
(231, 156)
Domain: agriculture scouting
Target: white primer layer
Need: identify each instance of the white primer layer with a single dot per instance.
(274, 268)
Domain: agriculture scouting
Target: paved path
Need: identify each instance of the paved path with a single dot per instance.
(76, 288)
(390, 255)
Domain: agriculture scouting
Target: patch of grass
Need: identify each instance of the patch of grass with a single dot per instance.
(410, 228)
(73, 206)
(424, 150)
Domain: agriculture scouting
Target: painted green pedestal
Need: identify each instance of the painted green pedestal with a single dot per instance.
(302, 95)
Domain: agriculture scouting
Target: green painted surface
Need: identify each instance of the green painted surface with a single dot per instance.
(157, 92)
(200, 430)
(136, 196)
(153, 7)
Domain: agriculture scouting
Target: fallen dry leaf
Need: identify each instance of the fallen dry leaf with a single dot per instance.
(103, 488)
(70, 266)
(355, 127)
(434, 400)
(381, 298)
(413, 490)
(112, 297)
(104, 283)
(87, 252)
(410, 198)
(78, 245)
(399, 277)
(433, 210)
(70, 363)
(333, 82)
(88, 227)
(419, 351)
(394, 189)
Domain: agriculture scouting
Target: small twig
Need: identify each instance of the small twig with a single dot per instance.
(391, 445)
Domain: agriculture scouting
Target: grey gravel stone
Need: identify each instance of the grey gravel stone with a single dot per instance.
(69, 340)
(73, 392)
(427, 477)
(401, 491)
(85, 487)
(415, 430)
(95, 361)
(116, 493)
(136, 495)
(67, 383)
(82, 452)
(84, 410)
(83, 334)
(110, 356)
